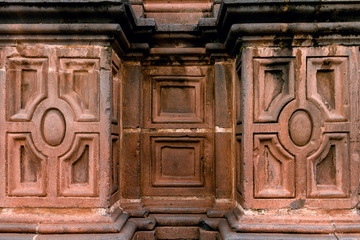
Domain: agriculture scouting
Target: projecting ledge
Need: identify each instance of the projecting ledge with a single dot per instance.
(291, 222)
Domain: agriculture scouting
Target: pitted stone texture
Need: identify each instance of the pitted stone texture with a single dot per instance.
(53, 124)
(295, 114)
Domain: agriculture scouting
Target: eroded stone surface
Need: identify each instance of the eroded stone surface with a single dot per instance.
(103, 113)
(300, 127)
(53, 127)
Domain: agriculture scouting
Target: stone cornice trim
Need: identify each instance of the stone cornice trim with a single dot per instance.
(289, 29)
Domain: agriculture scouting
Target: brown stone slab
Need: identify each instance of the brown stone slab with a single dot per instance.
(223, 75)
(131, 165)
(223, 165)
(131, 95)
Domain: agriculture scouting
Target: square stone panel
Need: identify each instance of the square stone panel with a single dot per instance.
(177, 100)
(178, 97)
(177, 164)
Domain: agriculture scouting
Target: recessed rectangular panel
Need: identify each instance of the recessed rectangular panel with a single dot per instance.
(327, 86)
(115, 94)
(177, 164)
(79, 167)
(79, 87)
(177, 100)
(239, 162)
(178, 97)
(26, 87)
(27, 172)
(328, 168)
(274, 86)
(115, 163)
(274, 168)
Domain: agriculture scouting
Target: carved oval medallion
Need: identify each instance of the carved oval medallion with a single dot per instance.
(300, 127)
(53, 127)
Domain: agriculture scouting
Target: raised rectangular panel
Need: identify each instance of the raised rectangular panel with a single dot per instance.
(274, 168)
(238, 96)
(79, 167)
(115, 163)
(274, 86)
(115, 88)
(239, 160)
(177, 162)
(178, 99)
(26, 167)
(327, 86)
(26, 86)
(177, 165)
(79, 87)
(328, 168)
(297, 141)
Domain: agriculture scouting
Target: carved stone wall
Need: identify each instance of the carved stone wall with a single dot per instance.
(300, 119)
(144, 120)
(53, 126)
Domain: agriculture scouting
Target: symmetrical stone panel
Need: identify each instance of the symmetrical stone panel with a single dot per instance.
(52, 126)
(179, 164)
(177, 161)
(178, 97)
(295, 140)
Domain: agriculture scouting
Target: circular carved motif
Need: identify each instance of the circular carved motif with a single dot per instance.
(53, 127)
(300, 127)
